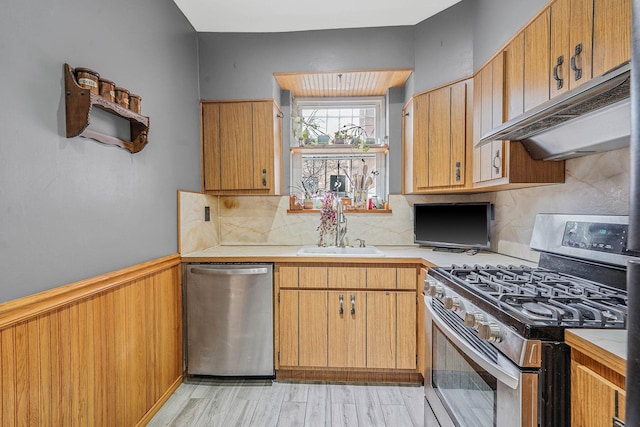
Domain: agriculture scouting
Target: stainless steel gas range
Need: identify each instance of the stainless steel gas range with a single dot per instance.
(495, 334)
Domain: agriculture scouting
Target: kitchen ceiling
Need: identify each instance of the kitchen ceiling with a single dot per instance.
(258, 16)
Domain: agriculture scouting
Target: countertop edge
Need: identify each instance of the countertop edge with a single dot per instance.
(393, 255)
(580, 341)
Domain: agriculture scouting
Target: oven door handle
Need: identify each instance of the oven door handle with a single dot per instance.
(510, 379)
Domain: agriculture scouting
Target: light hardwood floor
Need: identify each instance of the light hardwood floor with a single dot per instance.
(265, 403)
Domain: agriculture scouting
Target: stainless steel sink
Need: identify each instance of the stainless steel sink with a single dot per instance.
(369, 251)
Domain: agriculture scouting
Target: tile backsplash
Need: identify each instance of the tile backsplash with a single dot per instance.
(597, 184)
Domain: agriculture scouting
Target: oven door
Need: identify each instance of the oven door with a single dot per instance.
(469, 382)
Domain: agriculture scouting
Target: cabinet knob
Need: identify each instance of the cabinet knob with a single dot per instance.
(353, 304)
(264, 177)
(341, 299)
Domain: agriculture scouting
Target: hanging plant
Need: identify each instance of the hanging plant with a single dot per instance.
(328, 218)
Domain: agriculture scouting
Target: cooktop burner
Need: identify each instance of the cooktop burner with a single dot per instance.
(539, 296)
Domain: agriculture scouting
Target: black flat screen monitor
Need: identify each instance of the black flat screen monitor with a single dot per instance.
(452, 225)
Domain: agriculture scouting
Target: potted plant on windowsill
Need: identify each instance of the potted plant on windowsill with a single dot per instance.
(352, 134)
(307, 130)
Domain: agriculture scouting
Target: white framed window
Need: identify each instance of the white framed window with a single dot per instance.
(316, 121)
(322, 161)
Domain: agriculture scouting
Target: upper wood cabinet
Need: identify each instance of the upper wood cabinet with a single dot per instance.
(536, 61)
(504, 164)
(435, 139)
(611, 34)
(488, 112)
(567, 45)
(241, 147)
(571, 46)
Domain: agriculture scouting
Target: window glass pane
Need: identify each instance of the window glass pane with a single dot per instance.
(327, 121)
(317, 171)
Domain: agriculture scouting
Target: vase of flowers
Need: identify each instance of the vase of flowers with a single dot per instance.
(328, 219)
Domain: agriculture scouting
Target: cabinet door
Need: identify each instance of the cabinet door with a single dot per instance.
(421, 331)
(312, 333)
(347, 329)
(571, 45)
(488, 158)
(593, 398)
(439, 165)
(514, 77)
(420, 141)
(536, 62)
(381, 329)
(406, 337)
(263, 146)
(611, 34)
(211, 146)
(236, 146)
(288, 328)
(458, 134)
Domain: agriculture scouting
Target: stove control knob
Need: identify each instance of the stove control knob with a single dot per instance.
(451, 303)
(435, 290)
(489, 331)
(473, 320)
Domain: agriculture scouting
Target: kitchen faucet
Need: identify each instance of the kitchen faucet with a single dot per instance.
(341, 231)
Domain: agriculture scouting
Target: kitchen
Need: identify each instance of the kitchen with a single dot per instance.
(108, 209)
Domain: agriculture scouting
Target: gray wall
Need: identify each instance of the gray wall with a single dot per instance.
(241, 65)
(74, 208)
(496, 21)
(395, 103)
(443, 47)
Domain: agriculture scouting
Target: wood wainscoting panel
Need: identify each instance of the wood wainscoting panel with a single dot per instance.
(104, 351)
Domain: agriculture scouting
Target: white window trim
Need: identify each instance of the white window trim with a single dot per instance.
(377, 101)
(382, 159)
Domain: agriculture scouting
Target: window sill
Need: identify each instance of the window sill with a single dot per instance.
(346, 211)
(338, 148)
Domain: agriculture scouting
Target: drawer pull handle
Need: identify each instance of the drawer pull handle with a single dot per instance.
(556, 77)
(574, 59)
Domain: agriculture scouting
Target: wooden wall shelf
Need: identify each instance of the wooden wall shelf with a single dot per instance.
(79, 102)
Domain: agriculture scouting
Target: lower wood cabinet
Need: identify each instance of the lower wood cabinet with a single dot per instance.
(347, 329)
(373, 328)
(597, 384)
(595, 400)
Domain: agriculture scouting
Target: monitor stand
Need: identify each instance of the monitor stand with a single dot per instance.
(452, 250)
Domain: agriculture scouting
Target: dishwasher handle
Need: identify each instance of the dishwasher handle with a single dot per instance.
(214, 271)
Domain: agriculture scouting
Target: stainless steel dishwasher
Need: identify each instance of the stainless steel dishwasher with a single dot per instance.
(229, 319)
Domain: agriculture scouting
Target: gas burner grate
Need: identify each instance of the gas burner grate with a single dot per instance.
(543, 297)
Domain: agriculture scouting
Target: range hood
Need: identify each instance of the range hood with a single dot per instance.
(592, 118)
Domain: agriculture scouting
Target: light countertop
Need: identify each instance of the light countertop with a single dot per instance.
(412, 254)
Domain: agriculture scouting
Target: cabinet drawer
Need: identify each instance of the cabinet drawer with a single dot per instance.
(347, 277)
(381, 278)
